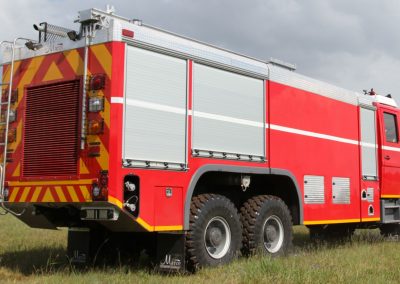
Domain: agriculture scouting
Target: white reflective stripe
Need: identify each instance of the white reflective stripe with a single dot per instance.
(227, 119)
(153, 106)
(368, 145)
(389, 148)
(313, 134)
(117, 100)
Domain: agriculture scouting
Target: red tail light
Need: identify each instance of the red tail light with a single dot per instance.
(128, 33)
(104, 178)
(97, 82)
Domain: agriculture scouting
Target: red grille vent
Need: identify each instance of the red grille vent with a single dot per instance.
(51, 130)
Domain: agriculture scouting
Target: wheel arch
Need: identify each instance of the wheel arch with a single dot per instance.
(239, 170)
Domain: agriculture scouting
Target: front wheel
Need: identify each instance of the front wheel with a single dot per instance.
(215, 232)
(331, 233)
(267, 226)
(390, 230)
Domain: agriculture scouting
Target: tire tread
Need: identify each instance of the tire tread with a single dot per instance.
(248, 216)
(198, 210)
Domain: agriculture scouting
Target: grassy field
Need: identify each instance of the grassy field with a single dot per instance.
(38, 256)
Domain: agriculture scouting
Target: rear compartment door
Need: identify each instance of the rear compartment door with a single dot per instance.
(155, 109)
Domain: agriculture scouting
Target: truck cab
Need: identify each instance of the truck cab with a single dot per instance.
(389, 159)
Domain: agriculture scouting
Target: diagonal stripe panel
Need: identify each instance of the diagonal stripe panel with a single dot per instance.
(72, 192)
(103, 56)
(66, 194)
(13, 193)
(60, 194)
(75, 61)
(36, 193)
(24, 194)
(39, 72)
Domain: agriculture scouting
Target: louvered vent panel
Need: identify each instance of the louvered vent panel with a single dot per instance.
(314, 189)
(51, 130)
(340, 190)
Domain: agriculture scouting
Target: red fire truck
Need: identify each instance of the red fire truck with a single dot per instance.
(129, 134)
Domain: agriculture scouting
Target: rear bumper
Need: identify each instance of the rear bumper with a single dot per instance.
(53, 215)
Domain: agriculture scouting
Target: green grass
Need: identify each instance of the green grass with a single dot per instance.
(38, 256)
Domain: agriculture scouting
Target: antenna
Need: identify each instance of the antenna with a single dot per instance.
(110, 9)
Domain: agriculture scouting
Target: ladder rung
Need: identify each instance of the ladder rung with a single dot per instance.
(4, 84)
(2, 123)
(2, 144)
(4, 103)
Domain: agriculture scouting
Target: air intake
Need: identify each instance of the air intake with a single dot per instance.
(51, 130)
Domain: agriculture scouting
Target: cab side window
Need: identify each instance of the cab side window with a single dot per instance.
(391, 133)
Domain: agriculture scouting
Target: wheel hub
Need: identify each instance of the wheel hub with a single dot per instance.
(273, 234)
(215, 236)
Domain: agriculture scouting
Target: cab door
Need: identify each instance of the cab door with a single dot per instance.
(390, 153)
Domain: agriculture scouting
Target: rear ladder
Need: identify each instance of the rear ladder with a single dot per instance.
(5, 103)
(5, 111)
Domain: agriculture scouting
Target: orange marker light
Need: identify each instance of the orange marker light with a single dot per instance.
(95, 127)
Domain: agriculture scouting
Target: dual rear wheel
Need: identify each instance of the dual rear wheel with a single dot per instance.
(217, 231)
(267, 226)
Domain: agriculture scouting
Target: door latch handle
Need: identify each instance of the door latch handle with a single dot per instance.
(387, 157)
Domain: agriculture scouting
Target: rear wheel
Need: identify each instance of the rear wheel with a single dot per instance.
(215, 232)
(267, 226)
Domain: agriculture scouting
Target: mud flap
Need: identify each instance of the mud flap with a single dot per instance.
(78, 249)
(170, 255)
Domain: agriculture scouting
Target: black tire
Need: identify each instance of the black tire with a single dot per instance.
(267, 226)
(212, 217)
(331, 233)
(390, 230)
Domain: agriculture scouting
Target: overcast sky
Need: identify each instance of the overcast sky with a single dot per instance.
(351, 43)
